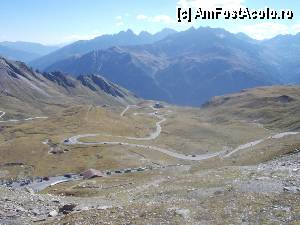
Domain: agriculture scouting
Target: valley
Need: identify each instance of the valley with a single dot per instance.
(176, 161)
(181, 127)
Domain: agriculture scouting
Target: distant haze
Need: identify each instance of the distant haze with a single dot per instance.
(186, 68)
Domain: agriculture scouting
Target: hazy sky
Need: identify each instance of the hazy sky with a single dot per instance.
(61, 21)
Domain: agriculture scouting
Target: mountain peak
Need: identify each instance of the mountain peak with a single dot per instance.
(144, 34)
(123, 38)
(128, 32)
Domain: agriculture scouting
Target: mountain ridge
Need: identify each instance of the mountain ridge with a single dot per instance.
(23, 89)
(185, 68)
(102, 42)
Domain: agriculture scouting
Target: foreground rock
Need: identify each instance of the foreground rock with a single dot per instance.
(68, 208)
(261, 194)
(23, 207)
(19, 206)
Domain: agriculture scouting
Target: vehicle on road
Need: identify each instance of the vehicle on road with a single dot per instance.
(68, 175)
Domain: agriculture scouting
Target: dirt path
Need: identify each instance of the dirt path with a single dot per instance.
(126, 109)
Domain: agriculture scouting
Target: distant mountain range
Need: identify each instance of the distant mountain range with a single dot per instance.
(190, 67)
(25, 90)
(284, 52)
(124, 38)
(17, 54)
(186, 68)
(24, 51)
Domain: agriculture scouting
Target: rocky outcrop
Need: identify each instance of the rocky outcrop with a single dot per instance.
(96, 82)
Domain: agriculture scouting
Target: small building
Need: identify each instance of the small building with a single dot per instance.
(158, 105)
(91, 173)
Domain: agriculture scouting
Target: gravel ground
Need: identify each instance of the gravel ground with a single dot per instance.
(268, 193)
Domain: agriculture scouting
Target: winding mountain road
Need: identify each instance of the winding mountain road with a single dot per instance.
(253, 143)
(171, 152)
(155, 134)
(14, 120)
(38, 186)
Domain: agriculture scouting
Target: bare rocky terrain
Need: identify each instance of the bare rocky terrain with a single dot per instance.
(267, 193)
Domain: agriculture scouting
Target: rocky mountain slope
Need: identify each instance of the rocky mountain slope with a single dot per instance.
(25, 90)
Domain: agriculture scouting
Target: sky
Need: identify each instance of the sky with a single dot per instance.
(54, 22)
